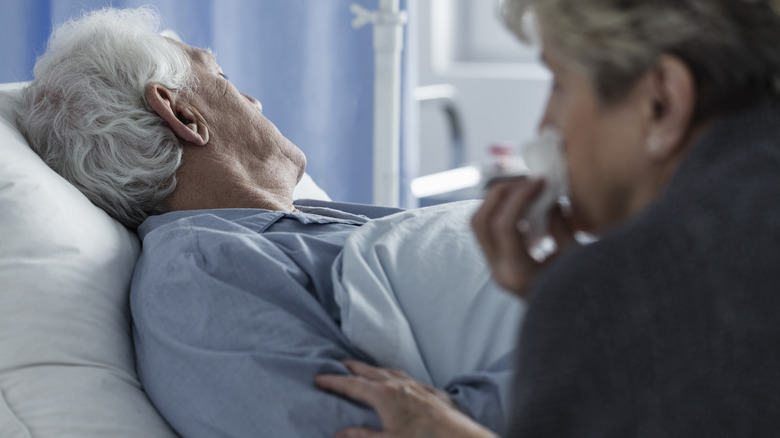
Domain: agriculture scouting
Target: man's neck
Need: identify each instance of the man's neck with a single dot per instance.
(229, 199)
(208, 183)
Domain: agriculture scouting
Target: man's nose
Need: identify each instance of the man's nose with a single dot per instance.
(253, 100)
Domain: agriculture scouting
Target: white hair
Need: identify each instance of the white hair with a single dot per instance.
(86, 114)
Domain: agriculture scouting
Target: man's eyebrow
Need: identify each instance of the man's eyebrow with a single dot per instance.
(209, 54)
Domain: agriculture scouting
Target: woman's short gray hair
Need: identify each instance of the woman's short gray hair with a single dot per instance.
(731, 46)
(86, 114)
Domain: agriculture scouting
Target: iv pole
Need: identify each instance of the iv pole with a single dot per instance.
(388, 23)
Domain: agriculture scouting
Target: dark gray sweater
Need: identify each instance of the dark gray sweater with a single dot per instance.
(669, 326)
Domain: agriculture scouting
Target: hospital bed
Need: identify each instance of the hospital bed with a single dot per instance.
(67, 365)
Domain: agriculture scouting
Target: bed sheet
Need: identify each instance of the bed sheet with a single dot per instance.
(416, 294)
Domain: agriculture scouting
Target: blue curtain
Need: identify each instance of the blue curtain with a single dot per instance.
(302, 59)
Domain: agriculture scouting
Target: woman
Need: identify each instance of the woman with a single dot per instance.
(669, 324)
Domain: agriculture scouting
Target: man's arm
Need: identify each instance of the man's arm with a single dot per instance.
(229, 337)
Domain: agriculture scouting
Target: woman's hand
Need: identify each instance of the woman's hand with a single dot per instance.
(496, 227)
(407, 408)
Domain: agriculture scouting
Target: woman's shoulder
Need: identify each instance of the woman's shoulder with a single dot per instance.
(626, 271)
(600, 261)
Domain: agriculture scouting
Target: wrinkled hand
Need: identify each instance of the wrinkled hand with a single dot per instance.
(406, 407)
(495, 225)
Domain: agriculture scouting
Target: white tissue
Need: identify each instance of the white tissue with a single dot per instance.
(545, 159)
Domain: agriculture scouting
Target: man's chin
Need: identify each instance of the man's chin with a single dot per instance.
(302, 165)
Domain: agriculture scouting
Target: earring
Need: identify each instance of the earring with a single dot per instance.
(654, 144)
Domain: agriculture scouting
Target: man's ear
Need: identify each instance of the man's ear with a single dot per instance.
(184, 119)
(673, 101)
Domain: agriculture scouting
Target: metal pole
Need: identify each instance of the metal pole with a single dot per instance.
(388, 44)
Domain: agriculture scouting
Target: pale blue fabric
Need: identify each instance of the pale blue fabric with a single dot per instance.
(234, 315)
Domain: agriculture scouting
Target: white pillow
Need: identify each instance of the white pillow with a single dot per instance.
(66, 359)
(308, 189)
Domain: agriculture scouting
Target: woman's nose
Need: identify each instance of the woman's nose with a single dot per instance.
(545, 121)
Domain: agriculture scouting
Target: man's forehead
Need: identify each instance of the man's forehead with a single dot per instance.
(195, 52)
(206, 54)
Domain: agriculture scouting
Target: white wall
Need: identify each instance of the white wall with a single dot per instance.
(500, 84)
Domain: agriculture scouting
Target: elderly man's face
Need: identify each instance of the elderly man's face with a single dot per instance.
(235, 120)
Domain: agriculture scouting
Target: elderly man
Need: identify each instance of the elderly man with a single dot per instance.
(232, 297)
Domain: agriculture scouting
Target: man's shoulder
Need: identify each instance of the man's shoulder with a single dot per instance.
(309, 211)
(200, 238)
(205, 220)
(190, 240)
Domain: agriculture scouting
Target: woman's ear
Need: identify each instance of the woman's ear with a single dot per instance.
(183, 118)
(673, 104)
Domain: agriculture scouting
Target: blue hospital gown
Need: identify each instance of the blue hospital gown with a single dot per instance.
(234, 315)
